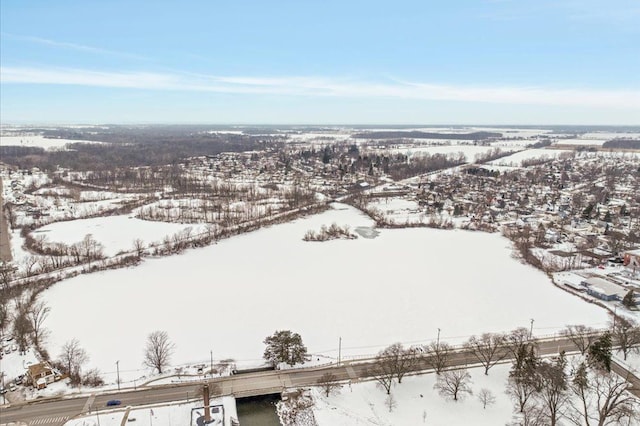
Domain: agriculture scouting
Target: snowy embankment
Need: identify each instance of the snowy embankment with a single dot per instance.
(402, 286)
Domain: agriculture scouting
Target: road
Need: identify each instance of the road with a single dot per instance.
(5, 246)
(55, 412)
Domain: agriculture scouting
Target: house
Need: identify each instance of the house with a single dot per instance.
(41, 375)
(632, 259)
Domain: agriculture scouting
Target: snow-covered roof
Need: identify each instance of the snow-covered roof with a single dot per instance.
(603, 286)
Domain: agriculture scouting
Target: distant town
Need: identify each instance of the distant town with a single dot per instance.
(78, 201)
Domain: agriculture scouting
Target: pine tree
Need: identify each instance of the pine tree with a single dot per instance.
(285, 346)
(600, 352)
(627, 300)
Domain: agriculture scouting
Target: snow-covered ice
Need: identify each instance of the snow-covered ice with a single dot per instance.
(401, 286)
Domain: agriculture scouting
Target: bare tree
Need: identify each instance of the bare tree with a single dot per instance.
(328, 383)
(30, 263)
(437, 355)
(382, 372)
(158, 350)
(489, 349)
(138, 246)
(21, 329)
(552, 396)
(604, 398)
(72, 357)
(486, 397)
(580, 386)
(522, 382)
(614, 404)
(519, 345)
(37, 314)
(625, 334)
(454, 384)
(401, 360)
(581, 336)
(7, 272)
(4, 315)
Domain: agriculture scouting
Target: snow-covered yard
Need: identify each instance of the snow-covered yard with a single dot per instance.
(417, 403)
(402, 286)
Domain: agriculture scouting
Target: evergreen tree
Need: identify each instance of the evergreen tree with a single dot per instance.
(627, 300)
(284, 346)
(600, 352)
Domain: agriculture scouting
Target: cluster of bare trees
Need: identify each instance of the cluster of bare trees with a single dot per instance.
(332, 232)
(402, 167)
(241, 204)
(544, 391)
(70, 362)
(585, 392)
(59, 255)
(395, 361)
(492, 154)
(73, 357)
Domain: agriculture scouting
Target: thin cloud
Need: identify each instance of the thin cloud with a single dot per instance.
(72, 46)
(323, 87)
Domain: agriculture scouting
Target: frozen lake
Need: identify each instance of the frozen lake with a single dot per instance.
(399, 287)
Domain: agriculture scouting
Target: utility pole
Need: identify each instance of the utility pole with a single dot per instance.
(211, 367)
(531, 330)
(339, 350)
(118, 373)
(438, 340)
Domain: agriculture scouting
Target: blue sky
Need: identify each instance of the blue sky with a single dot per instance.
(320, 62)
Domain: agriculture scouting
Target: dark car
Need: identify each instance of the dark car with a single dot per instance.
(113, 402)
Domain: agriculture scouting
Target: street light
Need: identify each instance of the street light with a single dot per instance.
(438, 339)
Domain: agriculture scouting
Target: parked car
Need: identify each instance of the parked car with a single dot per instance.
(3, 390)
(12, 387)
(112, 402)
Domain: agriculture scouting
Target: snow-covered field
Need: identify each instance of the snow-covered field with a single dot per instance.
(400, 210)
(517, 158)
(417, 403)
(594, 142)
(399, 287)
(116, 233)
(38, 141)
